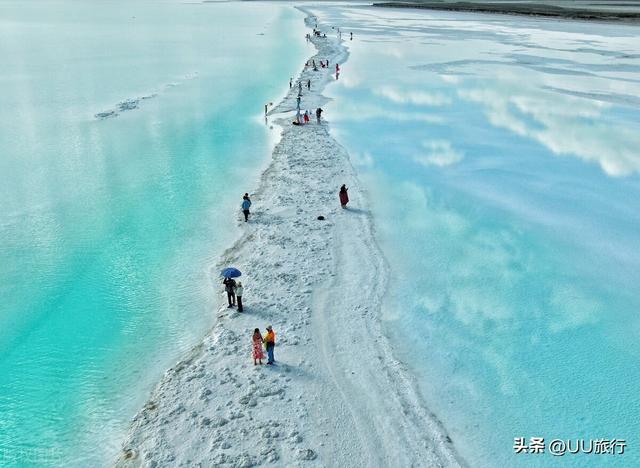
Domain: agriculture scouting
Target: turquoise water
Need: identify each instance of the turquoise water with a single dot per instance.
(501, 156)
(110, 227)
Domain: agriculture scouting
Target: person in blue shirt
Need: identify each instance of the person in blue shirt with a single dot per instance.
(246, 204)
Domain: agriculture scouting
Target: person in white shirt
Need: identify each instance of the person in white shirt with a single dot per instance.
(239, 291)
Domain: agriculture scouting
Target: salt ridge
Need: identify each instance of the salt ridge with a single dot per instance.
(337, 396)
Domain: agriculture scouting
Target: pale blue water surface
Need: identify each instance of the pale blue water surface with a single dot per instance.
(109, 226)
(501, 155)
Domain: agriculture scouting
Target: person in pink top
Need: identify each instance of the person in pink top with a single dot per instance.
(258, 353)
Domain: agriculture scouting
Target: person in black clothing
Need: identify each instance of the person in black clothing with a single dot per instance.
(230, 288)
(318, 113)
(246, 204)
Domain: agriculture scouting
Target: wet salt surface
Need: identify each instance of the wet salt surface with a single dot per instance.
(109, 226)
(126, 105)
(134, 103)
(500, 155)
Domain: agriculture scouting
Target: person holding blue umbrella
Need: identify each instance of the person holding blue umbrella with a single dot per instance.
(230, 284)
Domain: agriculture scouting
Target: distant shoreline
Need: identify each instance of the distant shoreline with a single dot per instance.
(523, 9)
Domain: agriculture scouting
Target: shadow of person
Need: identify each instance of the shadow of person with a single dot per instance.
(358, 211)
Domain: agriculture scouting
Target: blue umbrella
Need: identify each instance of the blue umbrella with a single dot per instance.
(231, 272)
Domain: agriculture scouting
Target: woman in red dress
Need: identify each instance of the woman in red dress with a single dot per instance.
(344, 196)
(258, 353)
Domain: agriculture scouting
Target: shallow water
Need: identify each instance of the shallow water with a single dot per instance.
(501, 158)
(130, 131)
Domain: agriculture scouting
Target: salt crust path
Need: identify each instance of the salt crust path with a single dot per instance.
(337, 396)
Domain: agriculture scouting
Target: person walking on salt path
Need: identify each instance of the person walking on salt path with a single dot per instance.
(270, 343)
(306, 117)
(351, 36)
(318, 113)
(230, 288)
(246, 204)
(299, 88)
(265, 109)
(308, 84)
(290, 83)
(239, 291)
(258, 354)
(344, 196)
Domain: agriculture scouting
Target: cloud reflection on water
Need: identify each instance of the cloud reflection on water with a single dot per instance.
(513, 270)
(439, 153)
(557, 85)
(566, 125)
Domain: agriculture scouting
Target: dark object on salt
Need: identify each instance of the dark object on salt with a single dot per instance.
(320, 218)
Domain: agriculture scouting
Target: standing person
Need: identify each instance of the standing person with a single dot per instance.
(344, 196)
(309, 84)
(299, 88)
(239, 290)
(265, 109)
(258, 354)
(351, 36)
(230, 288)
(290, 83)
(246, 204)
(318, 113)
(270, 343)
(306, 117)
(337, 68)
